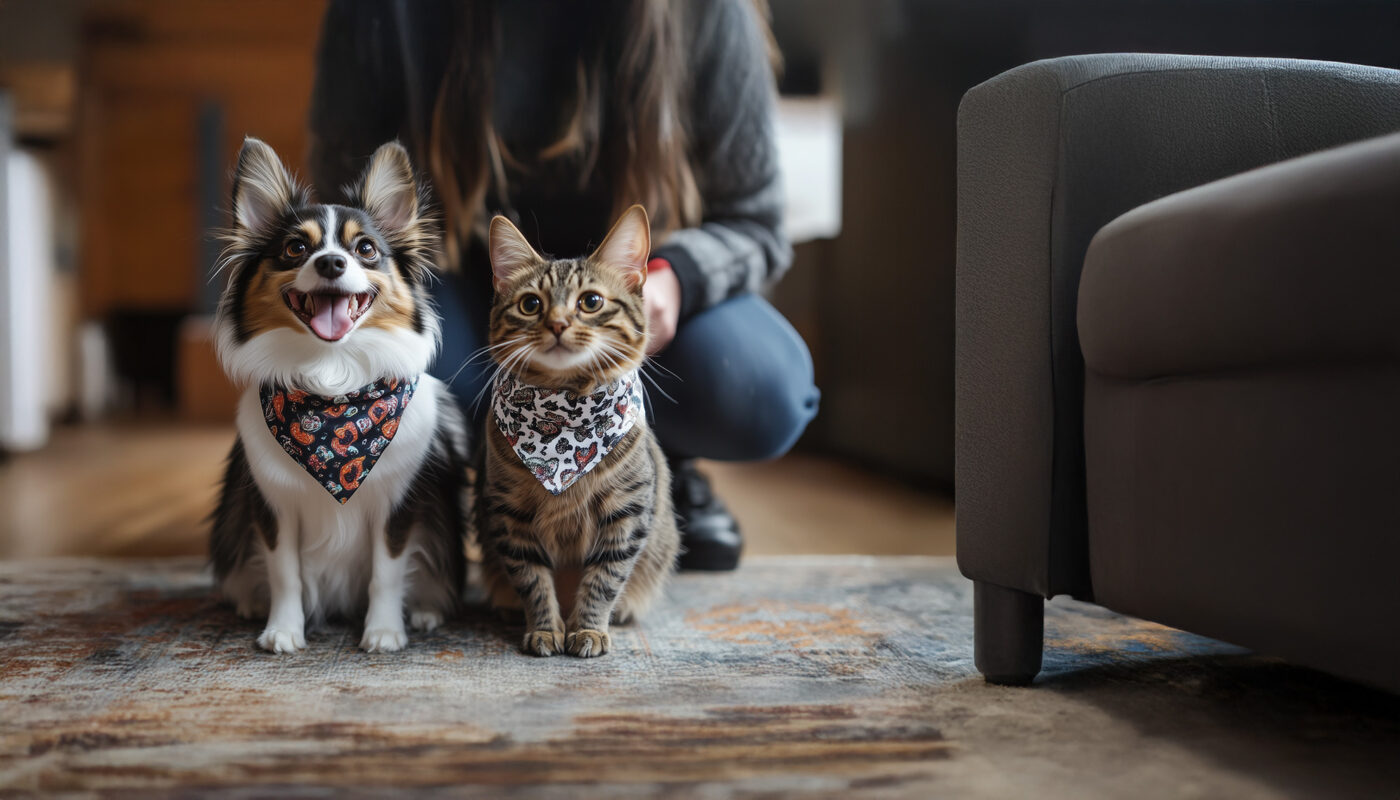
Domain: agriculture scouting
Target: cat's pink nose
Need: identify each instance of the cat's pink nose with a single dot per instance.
(558, 326)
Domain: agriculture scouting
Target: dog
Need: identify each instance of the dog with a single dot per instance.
(343, 493)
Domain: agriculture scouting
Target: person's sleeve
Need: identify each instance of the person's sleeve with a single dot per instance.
(357, 100)
(740, 245)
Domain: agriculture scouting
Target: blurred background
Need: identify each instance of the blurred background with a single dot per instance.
(119, 120)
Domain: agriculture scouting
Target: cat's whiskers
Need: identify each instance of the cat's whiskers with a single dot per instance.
(487, 350)
(645, 391)
(604, 361)
(478, 354)
(506, 363)
(647, 362)
(486, 386)
(616, 354)
(512, 363)
(594, 366)
(606, 364)
(657, 365)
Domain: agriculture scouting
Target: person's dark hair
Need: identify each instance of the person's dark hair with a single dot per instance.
(628, 119)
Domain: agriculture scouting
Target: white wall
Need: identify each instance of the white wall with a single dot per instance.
(26, 276)
(809, 154)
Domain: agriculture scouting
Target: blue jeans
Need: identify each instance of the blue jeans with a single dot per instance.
(739, 376)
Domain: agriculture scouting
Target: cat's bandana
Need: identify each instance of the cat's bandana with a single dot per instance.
(337, 440)
(559, 435)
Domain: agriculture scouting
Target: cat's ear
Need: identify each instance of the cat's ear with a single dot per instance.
(627, 246)
(387, 190)
(510, 252)
(263, 189)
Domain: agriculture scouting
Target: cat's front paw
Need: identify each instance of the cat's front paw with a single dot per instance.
(424, 620)
(588, 644)
(282, 640)
(383, 640)
(251, 609)
(543, 643)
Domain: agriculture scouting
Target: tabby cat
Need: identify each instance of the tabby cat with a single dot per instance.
(576, 490)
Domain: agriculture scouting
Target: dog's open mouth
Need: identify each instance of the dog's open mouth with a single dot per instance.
(329, 315)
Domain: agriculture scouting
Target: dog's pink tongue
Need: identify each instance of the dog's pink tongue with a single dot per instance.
(332, 318)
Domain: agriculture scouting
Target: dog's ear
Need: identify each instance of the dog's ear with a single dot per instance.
(387, 189)
(510, 251)
(263, 190)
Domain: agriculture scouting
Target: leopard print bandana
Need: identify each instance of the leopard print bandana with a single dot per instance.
(559, 435)
(337, 440)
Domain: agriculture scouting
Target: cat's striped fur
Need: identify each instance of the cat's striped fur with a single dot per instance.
(612, 533)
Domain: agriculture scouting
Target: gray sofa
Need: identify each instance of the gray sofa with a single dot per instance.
(1178, 386)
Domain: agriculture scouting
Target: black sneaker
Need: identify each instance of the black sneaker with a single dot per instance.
(710, 535)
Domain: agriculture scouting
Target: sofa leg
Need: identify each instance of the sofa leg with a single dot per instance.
(1009, 626)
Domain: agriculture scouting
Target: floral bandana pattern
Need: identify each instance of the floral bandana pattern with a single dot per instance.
(337, 440)
(559, 435)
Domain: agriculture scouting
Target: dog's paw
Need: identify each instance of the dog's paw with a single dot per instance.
(424, 620)
(282, 640)
(588, 644)
(543, 643)
(383, 640)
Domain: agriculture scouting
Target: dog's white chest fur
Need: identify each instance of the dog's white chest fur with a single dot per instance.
(335, 541)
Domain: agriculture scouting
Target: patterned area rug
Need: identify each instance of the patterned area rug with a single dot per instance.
(830, 676)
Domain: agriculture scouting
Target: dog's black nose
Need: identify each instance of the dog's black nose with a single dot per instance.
(330, 266)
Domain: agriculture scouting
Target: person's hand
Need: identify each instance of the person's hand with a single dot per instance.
(662, 295)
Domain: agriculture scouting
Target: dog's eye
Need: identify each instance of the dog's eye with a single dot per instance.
(296, 248)
(367, 250)
(590, 301)
(530, 305)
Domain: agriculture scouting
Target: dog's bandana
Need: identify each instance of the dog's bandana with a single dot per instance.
(337, 440)
(560, 435)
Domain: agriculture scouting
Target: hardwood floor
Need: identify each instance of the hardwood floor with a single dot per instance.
(809, 504)
(145, 490)
(112, 490)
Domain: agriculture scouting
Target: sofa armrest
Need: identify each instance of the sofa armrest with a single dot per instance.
(1047, 154)
(1292, 265)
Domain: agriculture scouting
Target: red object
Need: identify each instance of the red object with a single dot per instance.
(657, 264)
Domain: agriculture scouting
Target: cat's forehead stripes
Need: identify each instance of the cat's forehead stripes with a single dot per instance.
(568, 279)
(553, 279)
(566, 271)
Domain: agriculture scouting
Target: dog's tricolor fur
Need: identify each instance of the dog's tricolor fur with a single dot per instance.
(281, 545)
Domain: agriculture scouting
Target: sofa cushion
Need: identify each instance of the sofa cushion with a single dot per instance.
(1296, 263)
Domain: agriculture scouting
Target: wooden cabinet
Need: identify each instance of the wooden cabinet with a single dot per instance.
(148, 70)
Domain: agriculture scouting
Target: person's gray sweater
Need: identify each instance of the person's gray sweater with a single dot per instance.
(378, 60)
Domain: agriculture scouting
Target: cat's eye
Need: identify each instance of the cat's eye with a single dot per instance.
(296, 248)
(590, 301)
(366, 250)
(530, 305)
